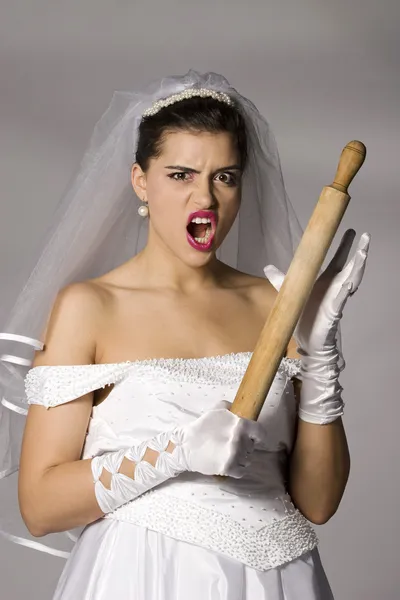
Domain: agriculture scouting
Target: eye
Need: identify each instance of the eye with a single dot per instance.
(179, 176)
(228, 178)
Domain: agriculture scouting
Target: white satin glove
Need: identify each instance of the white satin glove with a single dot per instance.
(317, 330)
(219, 442)
(216, 443)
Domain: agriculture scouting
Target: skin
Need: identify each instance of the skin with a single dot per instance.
(201, 306)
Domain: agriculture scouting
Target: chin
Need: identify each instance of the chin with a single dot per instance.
(190, 256)
(196, 259)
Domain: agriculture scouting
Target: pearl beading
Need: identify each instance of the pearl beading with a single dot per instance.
(189, 93)
(53, 385)
(278, 542)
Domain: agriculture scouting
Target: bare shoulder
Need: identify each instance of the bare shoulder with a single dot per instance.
(262, 295)
(79, 299)
(259, 290)
(70, 333)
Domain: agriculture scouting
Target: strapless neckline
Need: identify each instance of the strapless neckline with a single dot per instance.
(174, 359)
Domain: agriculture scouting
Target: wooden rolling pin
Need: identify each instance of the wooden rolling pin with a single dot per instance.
(297, 286)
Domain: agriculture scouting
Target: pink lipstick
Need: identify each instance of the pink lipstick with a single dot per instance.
(201, 228)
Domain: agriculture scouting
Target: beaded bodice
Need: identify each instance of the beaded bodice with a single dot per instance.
(252, 519)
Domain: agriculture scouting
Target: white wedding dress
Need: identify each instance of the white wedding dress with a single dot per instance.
(193, 537)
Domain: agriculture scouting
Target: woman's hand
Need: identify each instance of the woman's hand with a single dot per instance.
(317, 329)
(219, 442)
(318, 324)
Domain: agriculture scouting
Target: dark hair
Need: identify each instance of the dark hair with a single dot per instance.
(192, 114)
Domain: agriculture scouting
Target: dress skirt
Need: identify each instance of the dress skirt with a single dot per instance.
(114, 560)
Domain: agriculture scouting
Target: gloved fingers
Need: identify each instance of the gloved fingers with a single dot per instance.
(361, 256)
(247, 432)
(252, 433)
(244, 458)
(236, 471)
(248, 445)
(353, 273)
(240, 463)
(350, 273)
(274, 276)
(342, 253)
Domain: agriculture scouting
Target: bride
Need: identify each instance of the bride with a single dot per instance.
(148, 316)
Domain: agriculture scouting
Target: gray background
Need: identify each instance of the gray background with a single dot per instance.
(323, 73)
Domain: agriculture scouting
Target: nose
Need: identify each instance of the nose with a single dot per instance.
(204, 197)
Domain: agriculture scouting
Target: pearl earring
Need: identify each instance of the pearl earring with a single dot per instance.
(143, 210)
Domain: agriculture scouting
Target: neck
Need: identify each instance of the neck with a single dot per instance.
(163, 269)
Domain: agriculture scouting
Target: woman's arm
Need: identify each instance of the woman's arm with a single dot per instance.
(55, 486)
(319, 469)
(56, 489)
(319, 464)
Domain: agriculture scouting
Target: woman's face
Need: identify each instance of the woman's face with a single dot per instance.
(193, 191)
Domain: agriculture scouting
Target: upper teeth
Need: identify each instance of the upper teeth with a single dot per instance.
(199, 220)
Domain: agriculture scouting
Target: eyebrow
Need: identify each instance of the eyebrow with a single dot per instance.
(190, 170)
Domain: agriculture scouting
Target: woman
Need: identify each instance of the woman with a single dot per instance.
(129, 397)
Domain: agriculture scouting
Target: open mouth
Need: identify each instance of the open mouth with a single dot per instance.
(201, 229)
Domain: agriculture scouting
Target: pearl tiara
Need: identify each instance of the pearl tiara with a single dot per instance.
(189, 93)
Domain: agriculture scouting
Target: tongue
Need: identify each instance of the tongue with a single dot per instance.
(198, 230)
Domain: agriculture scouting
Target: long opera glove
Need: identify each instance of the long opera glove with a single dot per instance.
(216, 443)
(316, 332)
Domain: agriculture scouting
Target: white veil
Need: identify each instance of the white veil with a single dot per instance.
(96, 227)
